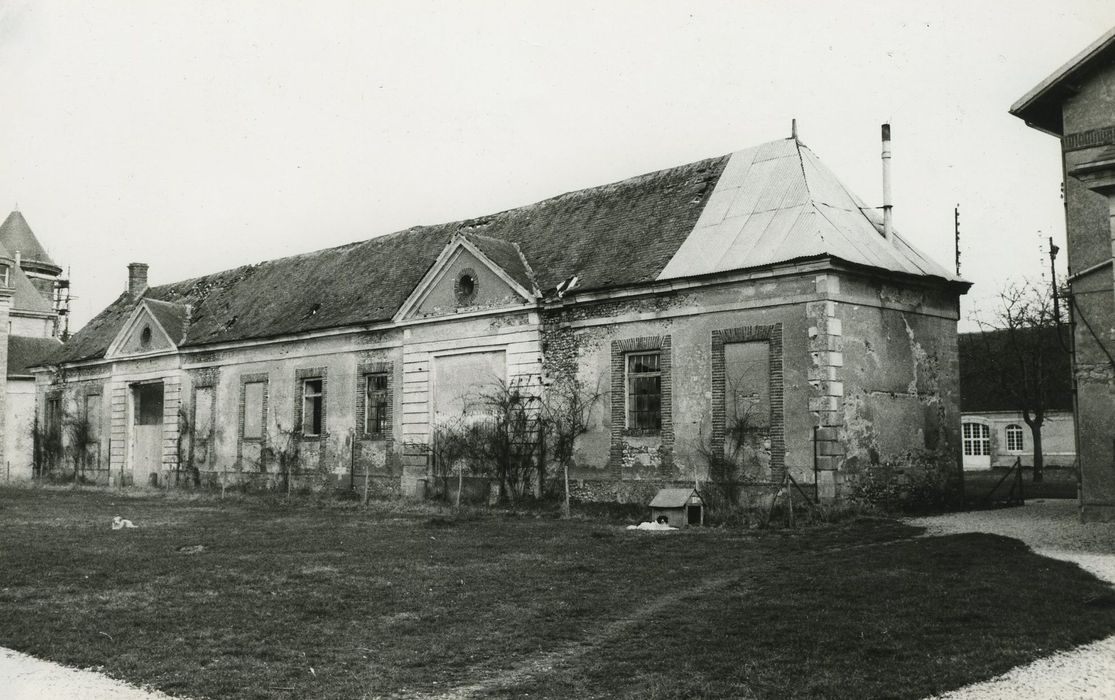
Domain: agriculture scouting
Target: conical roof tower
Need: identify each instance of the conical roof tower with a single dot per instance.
(19, 240)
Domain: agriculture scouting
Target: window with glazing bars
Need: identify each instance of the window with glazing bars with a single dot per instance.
(375, 404)
(312, 406)
(977, 439)
(644, 391)
(1014, 437)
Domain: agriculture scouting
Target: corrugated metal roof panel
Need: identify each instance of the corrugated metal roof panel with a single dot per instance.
(719, 202)
(775, 149)
(805, 238)
(791, 206)
(758, 176)
(823, 185)
(741, 245)
(774, 235)
(735, 172)
(779, 179)
(715, 239)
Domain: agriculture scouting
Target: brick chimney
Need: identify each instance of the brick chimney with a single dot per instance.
(137, 278)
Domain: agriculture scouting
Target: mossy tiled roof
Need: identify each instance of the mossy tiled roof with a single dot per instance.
(771, 204)
(618, 234)
(25, 352)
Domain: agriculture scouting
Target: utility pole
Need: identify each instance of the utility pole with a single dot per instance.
(956, 234)
(1053, 250)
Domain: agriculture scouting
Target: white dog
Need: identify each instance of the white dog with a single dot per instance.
(119, 523)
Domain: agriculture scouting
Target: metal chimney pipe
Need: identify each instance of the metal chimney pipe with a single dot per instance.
(888, 220)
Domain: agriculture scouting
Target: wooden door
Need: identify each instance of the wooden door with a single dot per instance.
(147, 433)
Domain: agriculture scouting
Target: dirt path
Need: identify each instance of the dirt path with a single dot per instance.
(27, 678)
(546, 662)
(1052, 529)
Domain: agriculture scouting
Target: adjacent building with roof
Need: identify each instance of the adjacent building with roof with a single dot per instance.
(1077, 105)
(33, 296)
(992, 398)
(746, 304)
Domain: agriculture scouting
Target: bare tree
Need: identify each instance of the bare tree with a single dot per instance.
(505, 430)
(284, 446)
(566, 410)
(451, 452)
(1023, 357)
(46, 437)
(80, 437)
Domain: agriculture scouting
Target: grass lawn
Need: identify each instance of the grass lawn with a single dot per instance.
(259, 600)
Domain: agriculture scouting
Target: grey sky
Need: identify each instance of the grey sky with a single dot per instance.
(197, 136)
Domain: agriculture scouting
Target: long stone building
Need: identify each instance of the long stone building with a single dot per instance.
(1077, 105)
(751, 285)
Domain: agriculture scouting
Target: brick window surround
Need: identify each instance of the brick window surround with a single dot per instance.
(245, 380)
(212, 387)
(620, 350)
(772, 334)
(300, 377)
(204, 379)
(363, 371)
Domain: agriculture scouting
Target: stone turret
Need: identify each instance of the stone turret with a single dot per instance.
(18, 239)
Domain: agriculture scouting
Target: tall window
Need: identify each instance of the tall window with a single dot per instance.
(254, 393)
(1014, 438)
(644, 391)
(53, 418)
(312, 398)
(977, 439)
(375, 404)
(93, 417)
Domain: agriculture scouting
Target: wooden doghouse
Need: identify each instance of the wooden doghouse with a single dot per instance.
(680, 507)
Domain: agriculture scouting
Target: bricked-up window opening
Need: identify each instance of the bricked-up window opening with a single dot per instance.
(644, 391)
(203, 424)
(149, 404)
(747, 403)
(253, 410)
(312, 401)
(1014, 438)
(977, 439)
(93, 416)
(53, 417)
(375, 403)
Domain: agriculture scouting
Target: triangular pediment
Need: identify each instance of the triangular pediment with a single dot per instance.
(143, 334)
(466, 277)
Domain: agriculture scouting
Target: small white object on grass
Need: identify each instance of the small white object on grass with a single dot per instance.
(119, 523)
(654, 527)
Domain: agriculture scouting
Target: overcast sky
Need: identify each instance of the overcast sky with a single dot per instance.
(198, 136)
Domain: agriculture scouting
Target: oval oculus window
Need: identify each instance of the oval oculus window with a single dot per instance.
(466, 287)
(145, 336)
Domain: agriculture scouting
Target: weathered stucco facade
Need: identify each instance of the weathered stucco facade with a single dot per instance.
(673, 294)
(1077, 105)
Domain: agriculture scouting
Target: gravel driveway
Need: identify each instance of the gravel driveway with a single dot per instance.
(1051, 528)
(24, 677)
